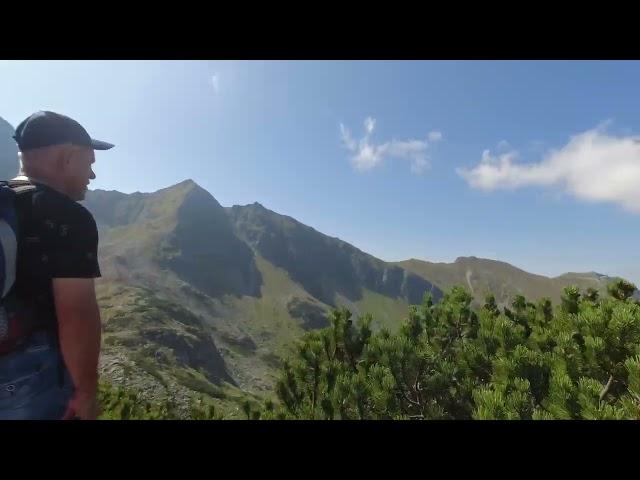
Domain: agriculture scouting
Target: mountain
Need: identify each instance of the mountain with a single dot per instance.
(505, 281)
(181, 229)
(196, 297)
(8, 151)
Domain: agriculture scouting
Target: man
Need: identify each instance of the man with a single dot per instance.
(52, 373)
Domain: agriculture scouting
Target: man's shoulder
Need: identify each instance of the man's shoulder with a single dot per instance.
(57, 205)
(51, 206)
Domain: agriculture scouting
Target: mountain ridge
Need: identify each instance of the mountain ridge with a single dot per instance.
(250, 282)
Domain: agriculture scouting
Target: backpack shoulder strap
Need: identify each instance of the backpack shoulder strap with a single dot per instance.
(20, 186)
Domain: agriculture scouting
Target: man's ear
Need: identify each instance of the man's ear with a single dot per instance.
(65, 157)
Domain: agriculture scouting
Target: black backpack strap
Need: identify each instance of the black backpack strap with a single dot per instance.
(24, 198)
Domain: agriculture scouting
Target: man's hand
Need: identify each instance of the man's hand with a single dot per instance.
(83, 406)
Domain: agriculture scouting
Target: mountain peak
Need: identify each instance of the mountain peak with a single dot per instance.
(184, 187)
(472, 258)
(585, 275)
(254, 205)
(186, 183)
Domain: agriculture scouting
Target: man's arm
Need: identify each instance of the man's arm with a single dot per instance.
(79, 329)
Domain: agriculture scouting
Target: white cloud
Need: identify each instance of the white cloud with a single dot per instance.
(215, 83)
(367, 155)
(592, 166)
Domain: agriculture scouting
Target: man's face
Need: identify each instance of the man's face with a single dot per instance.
(78, 172)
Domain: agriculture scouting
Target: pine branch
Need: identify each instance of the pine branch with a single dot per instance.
(416, 385)
(412, 402)
(316, 374)
(606, 388)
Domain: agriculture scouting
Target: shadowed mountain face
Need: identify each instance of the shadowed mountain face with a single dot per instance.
(182, 229)
(324, 266)
(211, 257)
(8, 151)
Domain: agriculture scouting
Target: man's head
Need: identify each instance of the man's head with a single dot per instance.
(57, 151)
(67, 168)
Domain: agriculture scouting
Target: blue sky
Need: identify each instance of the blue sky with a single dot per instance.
(532, 163)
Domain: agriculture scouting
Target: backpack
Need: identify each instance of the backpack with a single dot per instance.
(12, 331)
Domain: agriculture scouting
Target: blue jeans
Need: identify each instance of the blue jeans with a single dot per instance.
(30, 381)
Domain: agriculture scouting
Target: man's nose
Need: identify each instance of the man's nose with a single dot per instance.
(92, 176)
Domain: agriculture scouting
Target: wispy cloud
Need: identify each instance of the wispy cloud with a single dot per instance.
(215, 83)
(593, 166)
(367, 155)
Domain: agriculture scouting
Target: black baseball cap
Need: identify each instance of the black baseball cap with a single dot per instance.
(45, 129)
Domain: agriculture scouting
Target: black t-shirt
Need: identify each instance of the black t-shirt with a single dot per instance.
(57, 238)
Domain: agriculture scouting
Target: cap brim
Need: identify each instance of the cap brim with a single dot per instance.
(100, 145)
